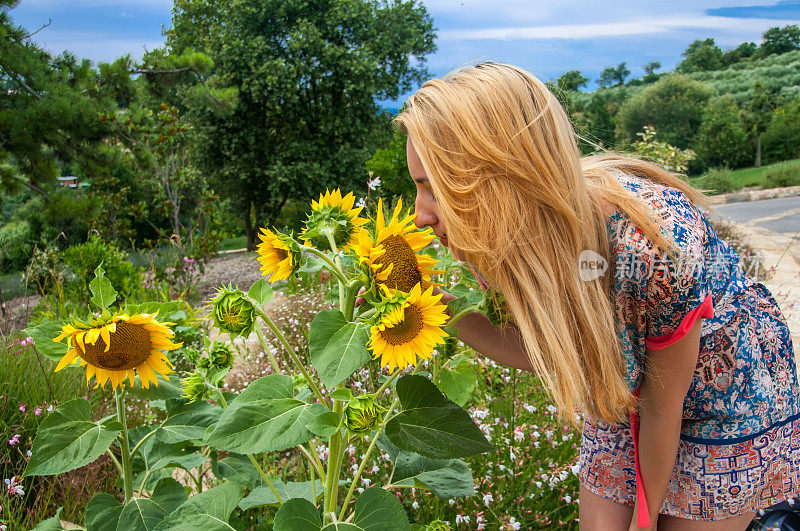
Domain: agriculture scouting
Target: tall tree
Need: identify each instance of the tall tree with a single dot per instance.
(308, 75)
(651, 67)
(614, 75)
(572, 80)
(757, 114)
(780, 40)
(700, 56)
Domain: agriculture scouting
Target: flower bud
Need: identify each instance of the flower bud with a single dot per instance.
(362, 415)
(194, 387)
(438, 525)
(233, 312)
(220, 356)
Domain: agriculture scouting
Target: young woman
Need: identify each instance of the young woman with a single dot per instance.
(681, 365)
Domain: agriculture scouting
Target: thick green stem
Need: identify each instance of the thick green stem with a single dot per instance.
(140, 443)
(335, 269)
(311, 383)
(115, 461)
(342, 283)
(334, 468)
(366, 457)
(350, 298)
(127, 474)
(275, 367)
(250, 456)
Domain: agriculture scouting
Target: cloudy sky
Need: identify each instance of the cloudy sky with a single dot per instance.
(547, 37)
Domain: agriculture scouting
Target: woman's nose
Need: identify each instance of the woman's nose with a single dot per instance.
(426, 216)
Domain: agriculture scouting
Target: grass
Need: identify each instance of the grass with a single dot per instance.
(228, 244)
(745, 177)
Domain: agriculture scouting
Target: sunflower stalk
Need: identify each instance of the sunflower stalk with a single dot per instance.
(335, 456)
(299, 364)
(336, 270)
(127, 473)
(342, 283)
(275, 367)
(350, 299)
(140, 443)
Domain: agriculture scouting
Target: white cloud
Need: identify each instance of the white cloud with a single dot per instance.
(612, 29)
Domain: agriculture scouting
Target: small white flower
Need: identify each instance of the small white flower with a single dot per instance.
(415, 505)
(462, 519)
(488, 498)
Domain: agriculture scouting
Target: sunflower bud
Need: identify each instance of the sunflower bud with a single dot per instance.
(495, 308)
(233, 312)
(220, 356)
(194, 387)
(299, 381)
(362, 414)
(438, 525)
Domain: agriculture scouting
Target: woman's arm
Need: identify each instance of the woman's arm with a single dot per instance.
(667, 379)
(502, 344)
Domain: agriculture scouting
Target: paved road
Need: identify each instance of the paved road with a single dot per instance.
(779, 215)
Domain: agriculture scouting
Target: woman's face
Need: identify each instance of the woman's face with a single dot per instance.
(425, 205)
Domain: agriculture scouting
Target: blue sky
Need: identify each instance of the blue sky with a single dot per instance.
(547, 37)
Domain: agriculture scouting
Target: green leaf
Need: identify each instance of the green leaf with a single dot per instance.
(240, 469)
(325, 424)
(458, 381)
(341, 526)
(163, 309)
(311, 264)
(67, 439)
(263, 495)
(343, 393)
(446, 478)
(380, 510)
(188, 421)
(264, 417)
(43, 336)
(337, 347)
(51, 524)
(103, 292)
(209, 510)
(165, 390)
(144, 514)
(261, 292)
(431, 425)
(297, 514)
(472, 296)
(460, 304)
(102, 513)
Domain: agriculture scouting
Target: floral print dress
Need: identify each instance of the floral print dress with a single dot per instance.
(739, 447)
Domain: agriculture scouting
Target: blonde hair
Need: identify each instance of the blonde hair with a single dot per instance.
(519, 203)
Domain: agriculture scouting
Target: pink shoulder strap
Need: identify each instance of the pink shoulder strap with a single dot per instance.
(643, 512)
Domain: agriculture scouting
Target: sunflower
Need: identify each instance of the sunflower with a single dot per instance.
(332, 215)
(410, 330)
(279, 255)
(390, 258)
(112, 349)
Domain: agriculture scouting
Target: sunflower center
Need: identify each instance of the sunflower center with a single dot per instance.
(406, 272)
(130, 347)
(406, 330)
(282, 254)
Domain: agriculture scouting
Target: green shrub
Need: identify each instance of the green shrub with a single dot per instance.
(15, 246)
(717, 181)
(722, 139)
(84, 258)
(781, 140)
(782, 174)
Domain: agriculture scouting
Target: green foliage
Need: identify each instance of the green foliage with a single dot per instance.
(701, 56)
(779, 40)
(84, 259)
(740, 53)
(782, 174)
(431, 425)
(337, 347)
(614, 75)
(572, 80)
(722, 139)
(68, 439)
(670, 157)
(717, 180)
(16, 247)
(673, 105)
(263, 495)
(781, 139)
(757, 114)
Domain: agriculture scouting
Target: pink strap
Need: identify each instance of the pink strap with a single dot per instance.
(643, 512)
(706, 309)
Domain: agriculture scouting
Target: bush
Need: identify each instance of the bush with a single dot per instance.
(84, 258)
(781, 140)
(717, 181)
(782, 174)
(722, 139)
(15, 246)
